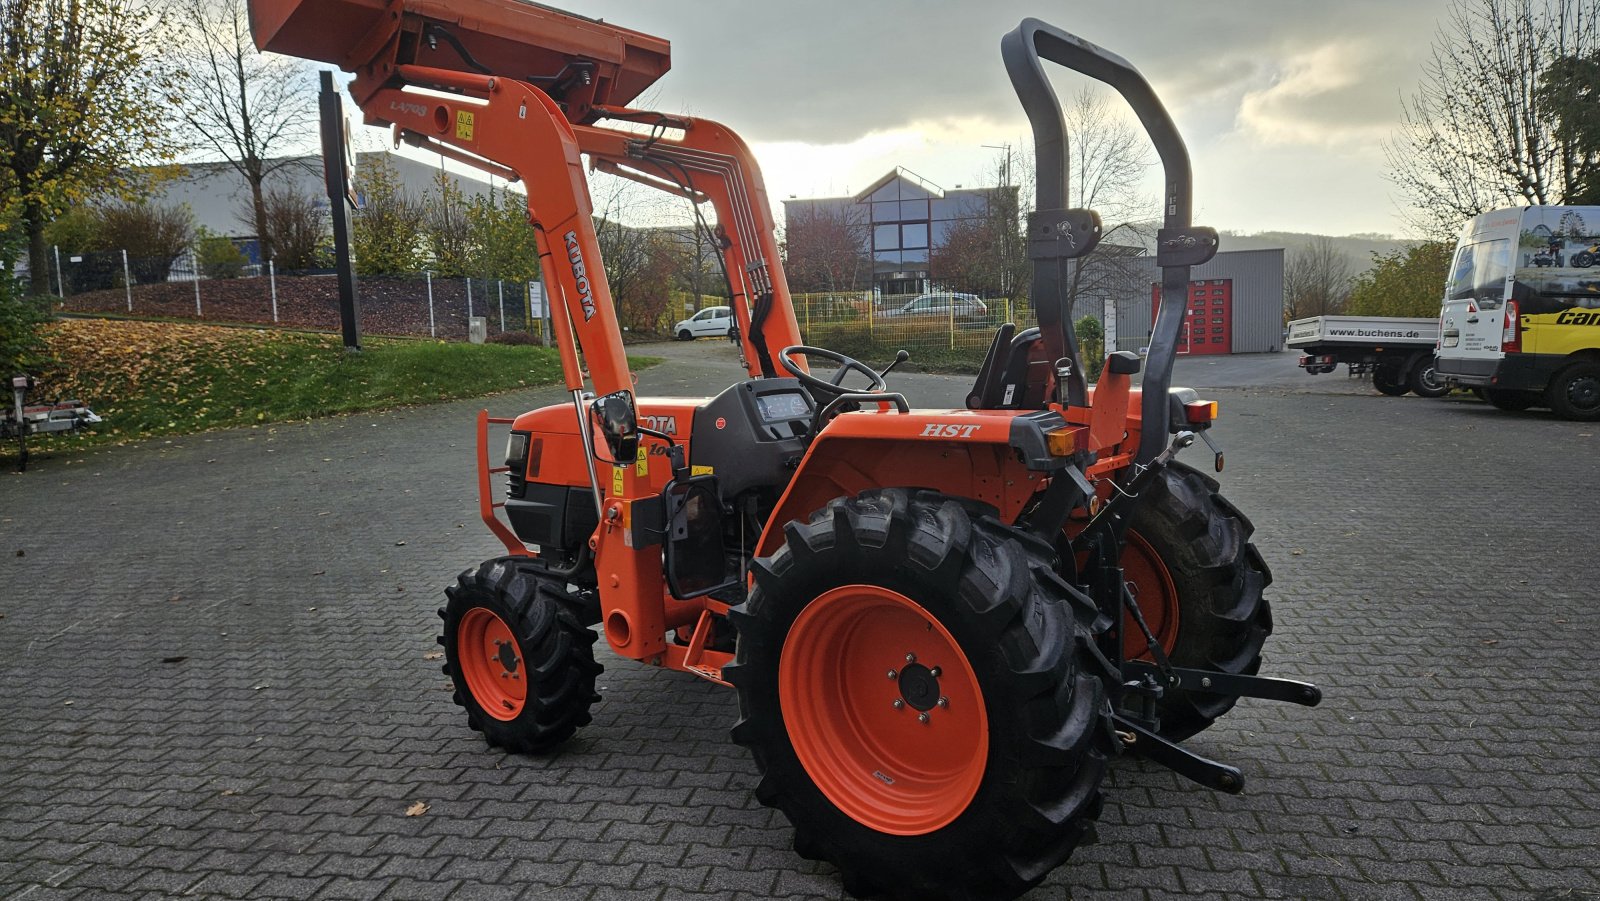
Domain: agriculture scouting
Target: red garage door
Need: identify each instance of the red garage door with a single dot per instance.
(1208, 319)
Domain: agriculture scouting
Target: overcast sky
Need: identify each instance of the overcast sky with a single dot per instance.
(1284, 104)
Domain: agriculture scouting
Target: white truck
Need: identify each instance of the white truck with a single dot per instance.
(1398, 352)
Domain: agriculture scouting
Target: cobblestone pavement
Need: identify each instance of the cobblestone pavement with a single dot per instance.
(216, 680)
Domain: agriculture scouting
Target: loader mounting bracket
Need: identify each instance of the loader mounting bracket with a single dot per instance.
(1062, 234)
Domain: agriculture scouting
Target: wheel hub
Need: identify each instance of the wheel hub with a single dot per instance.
(1584, 393)
(486, 655)
(919, 687)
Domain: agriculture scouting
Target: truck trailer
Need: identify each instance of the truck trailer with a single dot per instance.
(1397, 352)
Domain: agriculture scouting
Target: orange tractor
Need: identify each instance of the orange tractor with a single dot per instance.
(941, 624)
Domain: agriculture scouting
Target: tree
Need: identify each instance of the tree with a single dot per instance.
(153, 234)
(1570, 88)
(825, 248)
(1479, 133)
(1316, 281)
(449, 234)
(298, 223)
(81, 104)
(502, 239)
(1106, 162)
(975, 253)
(386, 232)
(1407, 282)
(239, 103)
(21, 343)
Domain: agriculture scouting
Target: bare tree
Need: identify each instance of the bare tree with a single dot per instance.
(825, 247)
(298, 223)
(628, 251)
(246, 106)
(1477, 134)
(1107, 162)
(1316, 280)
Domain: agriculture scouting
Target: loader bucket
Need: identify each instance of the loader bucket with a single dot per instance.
(510, 38)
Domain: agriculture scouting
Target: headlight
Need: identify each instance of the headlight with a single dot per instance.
(517, 452)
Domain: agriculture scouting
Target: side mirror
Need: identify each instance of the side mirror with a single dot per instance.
(619, 424)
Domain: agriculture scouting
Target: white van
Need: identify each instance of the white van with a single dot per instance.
(1518, 321)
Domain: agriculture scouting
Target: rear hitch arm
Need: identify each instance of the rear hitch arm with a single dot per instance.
(1210, 682)
(1141, 742)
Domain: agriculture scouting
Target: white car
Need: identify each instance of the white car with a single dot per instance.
(711, 321)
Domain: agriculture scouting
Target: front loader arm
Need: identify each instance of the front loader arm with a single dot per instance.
(710, 162)
(522, 129)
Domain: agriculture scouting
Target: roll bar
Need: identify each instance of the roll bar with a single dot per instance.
(1056, 234)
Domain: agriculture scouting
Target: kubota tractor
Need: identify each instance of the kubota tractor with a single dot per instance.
(941, 624)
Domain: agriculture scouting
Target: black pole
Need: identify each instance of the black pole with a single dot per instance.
(335, 166)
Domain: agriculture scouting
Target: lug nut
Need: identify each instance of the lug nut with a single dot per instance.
(1205, 682)
(944, 702)
(911, 658)
(893, 674)
(899, 703)
(922, 717)
(935, 672)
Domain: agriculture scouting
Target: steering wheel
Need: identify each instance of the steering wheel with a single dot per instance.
(832, 386)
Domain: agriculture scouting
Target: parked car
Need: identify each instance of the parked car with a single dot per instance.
(709, 322)
(967, 307)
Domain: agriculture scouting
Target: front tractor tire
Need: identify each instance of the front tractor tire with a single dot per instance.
(520, 656)
(923, 697)
(1199, 583)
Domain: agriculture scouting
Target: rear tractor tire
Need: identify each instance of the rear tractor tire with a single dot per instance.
(1199, 583)
(520, 655)
(923, 697)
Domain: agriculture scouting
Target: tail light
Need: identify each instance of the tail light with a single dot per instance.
(1438, 342)
(1200, 412)
(1511, 335)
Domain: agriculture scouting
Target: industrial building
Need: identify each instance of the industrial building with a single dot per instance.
(1235, 306)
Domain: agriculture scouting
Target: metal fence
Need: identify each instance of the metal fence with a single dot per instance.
(956, 323)
(421, 304)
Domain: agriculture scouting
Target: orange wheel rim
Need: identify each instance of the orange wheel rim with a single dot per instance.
(491, 662)
(1157, 597)
(883, 709)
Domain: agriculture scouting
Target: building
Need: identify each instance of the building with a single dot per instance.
(895, 224)
(219, 198)
(1235, 306)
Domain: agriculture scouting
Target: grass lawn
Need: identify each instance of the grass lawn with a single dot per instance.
(150, 379)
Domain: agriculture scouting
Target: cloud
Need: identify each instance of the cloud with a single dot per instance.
(1327, 95)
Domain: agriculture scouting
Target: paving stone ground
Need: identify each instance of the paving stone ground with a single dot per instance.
(215, 679)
